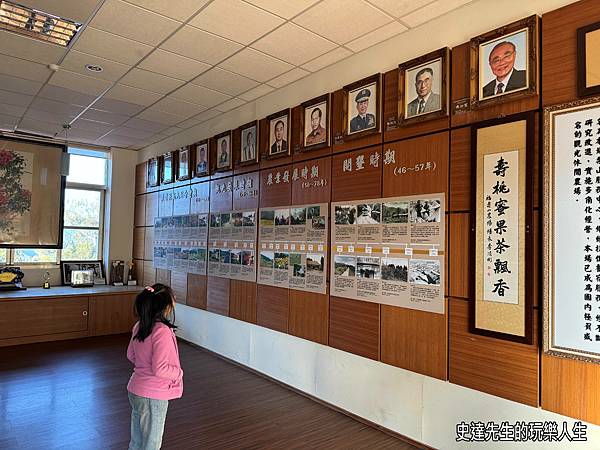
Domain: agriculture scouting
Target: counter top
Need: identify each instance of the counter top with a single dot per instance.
(68, 291)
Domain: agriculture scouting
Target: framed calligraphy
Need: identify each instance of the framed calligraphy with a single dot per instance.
(501, 300)
(571, 244)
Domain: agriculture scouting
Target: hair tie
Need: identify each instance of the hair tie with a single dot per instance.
(149, 289)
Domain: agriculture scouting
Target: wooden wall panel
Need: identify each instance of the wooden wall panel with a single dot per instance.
(309, 316)
(149, 244)
(140, 178)
(139, 242)
(242, 302)
(246, 197)
(221, 194)
(139, 215)
(498, 367)
(138, 269)
(415, 340)
(196, 290)
(200, 202)
(559, 43)
(217, 298)
(149, 274)
(460, 170)
(165, 202)
(458, 270)
(356, 184)
(151, 208)
(179, 282)
(163, 276)
(272, 307)
(273, 193)
(316, 187)
(354, 326)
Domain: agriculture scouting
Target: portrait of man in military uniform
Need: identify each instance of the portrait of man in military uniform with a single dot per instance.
(315, 121)
(362, 106)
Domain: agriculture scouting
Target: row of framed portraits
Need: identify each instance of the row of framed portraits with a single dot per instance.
(503, 67)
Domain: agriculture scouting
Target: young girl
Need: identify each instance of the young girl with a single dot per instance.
(157, 375)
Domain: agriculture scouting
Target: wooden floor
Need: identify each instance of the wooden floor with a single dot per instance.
(72, 395)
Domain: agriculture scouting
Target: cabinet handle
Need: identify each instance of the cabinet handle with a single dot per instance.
(85, 313)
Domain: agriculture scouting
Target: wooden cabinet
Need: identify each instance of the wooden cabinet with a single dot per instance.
(111, 314)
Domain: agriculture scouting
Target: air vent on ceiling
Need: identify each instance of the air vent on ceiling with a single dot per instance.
(36, 24)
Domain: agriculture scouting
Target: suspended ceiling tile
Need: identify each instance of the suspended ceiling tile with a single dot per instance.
(110, 46)
(173, 65)
(19, 85)
(327, 59)
(178, 107)
(399, 8)
(206, 115)
(8, 123)
(20, 46)
(105, 117)
(236, 20)
(225, 81)
(116, 140)
(36, 126)
(192, 122)
(230, 104)
(431, 11)
(256, 65)
(257, 92)
(116, 106)
(377, 36)
(52, 106)
(155, 115)
(91, 125)
(293, 44)
(12, 110)
(200, 95)
(142, 124)
(172, 131)
(132, 95)
(76, 61)
(133, 132)
(133, 22)
(342, 23)
(13, 98)
(287, 9)
(22, 68)
(182, 12)
(66, 95)
(80, 83)
(83, 136)
(150, 81)
(50, 117)
(200, 45)
(288, 77)
(76, 10)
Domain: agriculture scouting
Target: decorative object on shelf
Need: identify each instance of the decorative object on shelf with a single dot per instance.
(82, 278)
(501, 221)
(247, 153)
(117, 272)
(316, 123)
(131, 281)
(153, 164)
(202, 159)
(66, 267)
(46, 278)
(11, 279)
(223, 159)
(168, 168)
(588, 64)
(423, 87)
(362, 107)
(185, 163)
(504, 63)
(279, 135)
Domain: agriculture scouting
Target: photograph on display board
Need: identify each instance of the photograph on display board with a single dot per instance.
(316, 123)
(368, 213)
(424, 271)
(362, 107)
(368, 267)
(281, 260)
(424, 92)
(279, 134)
(282, 217)
(298, 216)
(225, 256)
(249, 218)
(395, 212)
(152, 172)
(202, 161)
(425, 211)
(298, 269)
(505, 61)
(248, 143)
(236, 256)
(223, 144)
(315, 262)
(588, 63)
(344, 266)
(184, 166)
(167, 172)
(247, 258)
(215, 220)
(394, 269)
(345, 214)
(236, 219)
(267, 218)
(266, 259)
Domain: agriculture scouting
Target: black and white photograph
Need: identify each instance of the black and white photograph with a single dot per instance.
(424, 271)
(362, 108)
(316, 122)
(152, 172)
(215, 220)
(202, 167)
(394, 269)
(68, 266)
(345, 214)
(224, 152)
(279, 134)
(282, 217)
(315, 262)
(214, 255)
(281, 261)
(225, 220)
(202, 220)
(425, 211)
(266, 259)
(395, 212)
(313, 211)
(368, 213)
(298, 216)
(368, 267)
(183, 166)
(267, 218)
(299, 269)
(236, 256)
(248, 143)
(344, 266)
(318, 223)
(249, 218)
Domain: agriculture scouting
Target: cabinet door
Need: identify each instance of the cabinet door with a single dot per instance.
(111, 314)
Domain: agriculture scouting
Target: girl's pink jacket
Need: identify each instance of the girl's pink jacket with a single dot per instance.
(157, 373)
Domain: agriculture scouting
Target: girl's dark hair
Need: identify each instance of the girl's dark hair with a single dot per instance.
(150, 307)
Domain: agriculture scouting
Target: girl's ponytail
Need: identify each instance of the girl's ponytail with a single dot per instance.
(150, 306)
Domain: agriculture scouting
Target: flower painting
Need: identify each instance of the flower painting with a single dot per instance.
(15, 188)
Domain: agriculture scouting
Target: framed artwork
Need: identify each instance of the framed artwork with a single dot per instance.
(185, 163)
(423, 87)
(362, 107)
(315, 123)
(223, 156)
(153, 164)
(504, 63)
(66, 267)
(248, 143)
(588, 65)
(501, 285)
(279, 134)
(571, 230)
(167, 168)
(202, 160)
(31, 194)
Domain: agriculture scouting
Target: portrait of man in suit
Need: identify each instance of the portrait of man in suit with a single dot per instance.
(314, 131)
(223, 158)
(201, 166)
(249, 144)
(364, 119)
(426, 82)
(507, 77)
(279, 144)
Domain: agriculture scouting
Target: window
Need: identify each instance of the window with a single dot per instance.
(83, 214)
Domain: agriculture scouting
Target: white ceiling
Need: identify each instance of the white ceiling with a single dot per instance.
(170, 65)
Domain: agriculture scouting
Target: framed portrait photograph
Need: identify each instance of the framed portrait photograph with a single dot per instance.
(423, 87)
(152, 167)
(504, 63)
(67, 267)
(201, 162)
(362, 107)
(167, 168)
(315, 123)
(223, 151)
(184, 163)
(588, 64)
(248, 143)
(279, 134)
